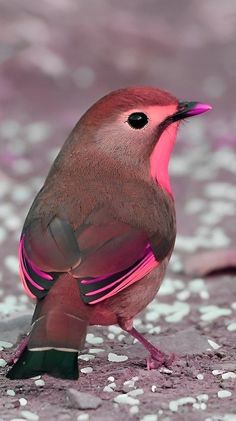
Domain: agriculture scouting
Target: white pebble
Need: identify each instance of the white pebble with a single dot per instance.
(108, 388)
(86, 370)
(3, 363)
(174, 405)
(136, 392)
(183, 295)
(153, 388)
(116, 358)
(231, 327)
(96, 350)
(212, 312)
(213, 344)
(126, 399)
(111, 379)
(224, 394)
(200, 376)
(23, 401)
(83, 417)
(86, 357)
(217, 372)
(11, 392)
(134, 410)
(93, 340)
(149, 417)
(203, 397)
(39, 382)
(229, 375)
(28, 415)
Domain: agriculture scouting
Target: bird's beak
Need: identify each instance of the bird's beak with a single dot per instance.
(190, 109)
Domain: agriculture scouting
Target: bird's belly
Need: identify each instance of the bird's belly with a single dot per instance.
(129, 302)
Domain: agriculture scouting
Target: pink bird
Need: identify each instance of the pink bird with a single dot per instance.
(98, 237)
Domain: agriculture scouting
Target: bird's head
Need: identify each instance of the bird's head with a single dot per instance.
(135, 129)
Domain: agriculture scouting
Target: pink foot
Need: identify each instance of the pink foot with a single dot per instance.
(156, 358)
(159, 359)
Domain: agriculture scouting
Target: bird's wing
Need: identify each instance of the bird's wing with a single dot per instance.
(105, 257)
(44, 252)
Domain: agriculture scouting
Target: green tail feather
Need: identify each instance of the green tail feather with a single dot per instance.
(60, 364)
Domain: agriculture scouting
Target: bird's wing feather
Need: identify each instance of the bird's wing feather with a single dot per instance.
(105, 257)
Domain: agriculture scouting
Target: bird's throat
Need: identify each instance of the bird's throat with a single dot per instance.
(159, 159)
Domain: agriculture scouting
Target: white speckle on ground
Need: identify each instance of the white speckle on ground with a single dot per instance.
(174, 405)
(3, 363)
(136, 392)
(28, 415)
(224, 394)
(229, 375)
(96, 350)
(213, 344)
(116, 358)
(23, 401)
(39, 382)
(86, 357)
(86, 370)
(203, 397)
(149, 417)
(217, 372)
(108, 389)
(11, 392)
(200, 376)
(231, 327)
(83, 417)
(134, 410)
(212, 312)
(93, 340)
(126, 400)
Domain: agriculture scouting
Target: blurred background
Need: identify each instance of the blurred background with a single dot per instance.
(59, 56)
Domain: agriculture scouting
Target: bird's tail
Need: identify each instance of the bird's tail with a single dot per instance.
(62, 364)
(54, 342)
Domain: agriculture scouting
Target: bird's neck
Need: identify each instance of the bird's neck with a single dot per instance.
(159, 159)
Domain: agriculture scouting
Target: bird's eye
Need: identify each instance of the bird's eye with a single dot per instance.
(137, 120)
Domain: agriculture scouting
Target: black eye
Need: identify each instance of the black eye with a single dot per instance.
(137, 120)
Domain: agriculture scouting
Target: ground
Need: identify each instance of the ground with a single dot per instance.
(56, 59)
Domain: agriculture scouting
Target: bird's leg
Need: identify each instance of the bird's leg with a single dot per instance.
(14, 356)
(156, 358)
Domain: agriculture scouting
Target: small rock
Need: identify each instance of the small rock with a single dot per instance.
(3, 363)
(82, 400)
(23, 401)
(224, 394)
(28, 415)
(116, 358)
(126, 400)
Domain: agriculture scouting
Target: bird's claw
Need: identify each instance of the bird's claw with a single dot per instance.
(159, 359)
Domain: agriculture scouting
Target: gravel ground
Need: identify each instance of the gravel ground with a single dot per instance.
(57, 57)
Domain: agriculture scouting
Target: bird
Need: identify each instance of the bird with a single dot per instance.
(99, 235)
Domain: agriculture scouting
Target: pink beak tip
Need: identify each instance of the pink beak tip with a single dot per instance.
(199, 109)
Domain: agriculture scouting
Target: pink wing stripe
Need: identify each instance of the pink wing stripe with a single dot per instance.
(21, 272)
(145, 266)
(24, 273)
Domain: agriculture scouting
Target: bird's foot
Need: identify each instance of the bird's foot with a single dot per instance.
(158, 359)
